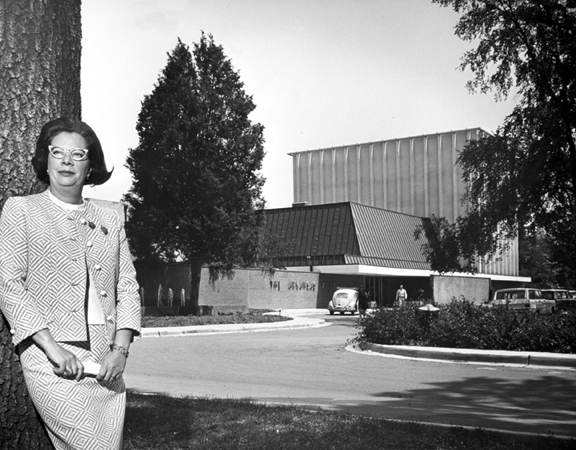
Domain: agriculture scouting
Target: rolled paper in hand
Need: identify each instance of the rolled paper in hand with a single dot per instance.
(91, 368)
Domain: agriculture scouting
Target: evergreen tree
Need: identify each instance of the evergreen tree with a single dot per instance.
(196, 181)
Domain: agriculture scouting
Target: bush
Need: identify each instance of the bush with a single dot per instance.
(463, 324)
(397, 327)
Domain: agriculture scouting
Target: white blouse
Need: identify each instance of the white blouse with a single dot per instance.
(95, 315)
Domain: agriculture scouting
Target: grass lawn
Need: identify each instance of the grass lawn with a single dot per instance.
(162, 422)
(253, 316)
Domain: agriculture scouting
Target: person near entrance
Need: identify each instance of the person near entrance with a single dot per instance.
(401, 296)
(363, 301)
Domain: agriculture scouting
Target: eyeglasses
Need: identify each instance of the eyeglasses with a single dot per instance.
(77, 154)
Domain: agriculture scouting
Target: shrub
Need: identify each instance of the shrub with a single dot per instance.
(463, 324)
(397, 327)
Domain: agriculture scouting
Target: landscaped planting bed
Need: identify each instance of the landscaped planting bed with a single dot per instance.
(463, 324)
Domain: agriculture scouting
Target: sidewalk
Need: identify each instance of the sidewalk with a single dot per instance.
(525, 359)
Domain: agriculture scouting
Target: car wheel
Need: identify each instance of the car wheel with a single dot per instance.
(352, 312)
(341, 312)
(331, 313)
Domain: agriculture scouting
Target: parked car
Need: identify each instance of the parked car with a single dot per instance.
(562, 297)
(572, 293)
(344, 300)
(524, 299)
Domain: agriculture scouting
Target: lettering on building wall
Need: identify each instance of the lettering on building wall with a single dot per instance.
(301, 286)
(295, 286)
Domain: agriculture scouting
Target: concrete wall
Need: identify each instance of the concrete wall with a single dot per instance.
(471, 288)
(167, 289)
(252, 288)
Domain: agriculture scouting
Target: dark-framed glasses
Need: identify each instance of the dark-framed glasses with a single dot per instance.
(77, 154)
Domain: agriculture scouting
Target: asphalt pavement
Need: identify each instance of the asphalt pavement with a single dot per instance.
(304, 318)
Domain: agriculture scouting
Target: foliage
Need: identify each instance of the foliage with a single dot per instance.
(536, 261)
(196, 181)
(162, 422)
(523, 177)
(463, 324)
(393, 327)
(444, 249)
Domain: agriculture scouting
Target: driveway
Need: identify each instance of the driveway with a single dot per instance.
(311, 367)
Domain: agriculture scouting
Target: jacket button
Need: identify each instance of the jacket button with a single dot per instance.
(12, 331)
(103, 294)
(83, 221)
(89, 244)
(109, 318)
(98, 267)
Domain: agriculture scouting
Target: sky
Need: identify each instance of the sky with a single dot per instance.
(322, 73)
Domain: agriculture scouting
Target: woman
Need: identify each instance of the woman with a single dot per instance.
(68, 289)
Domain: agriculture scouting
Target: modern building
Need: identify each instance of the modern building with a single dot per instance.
(383, 191)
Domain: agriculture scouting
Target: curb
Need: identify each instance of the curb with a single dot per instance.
(295, 323)
(532, 359)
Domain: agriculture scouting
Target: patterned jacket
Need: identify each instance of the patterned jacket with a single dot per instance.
(45, 253)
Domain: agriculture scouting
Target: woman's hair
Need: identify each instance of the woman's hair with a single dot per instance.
(98, 174)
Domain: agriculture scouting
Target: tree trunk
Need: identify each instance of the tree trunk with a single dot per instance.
(40, 48)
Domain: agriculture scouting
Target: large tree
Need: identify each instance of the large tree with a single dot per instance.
(40, 47)
(196, 168)
(522, 180)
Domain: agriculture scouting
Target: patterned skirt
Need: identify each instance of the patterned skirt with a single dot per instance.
(78, 415)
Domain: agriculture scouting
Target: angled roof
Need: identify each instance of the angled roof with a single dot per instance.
(389, 237)
(347, 233)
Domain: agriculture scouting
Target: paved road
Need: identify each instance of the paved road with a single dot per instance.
(312, 367)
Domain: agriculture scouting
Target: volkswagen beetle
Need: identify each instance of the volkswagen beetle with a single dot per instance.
(344, 300)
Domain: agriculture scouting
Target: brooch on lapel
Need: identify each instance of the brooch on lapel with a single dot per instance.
(83, 221)
(92, 225)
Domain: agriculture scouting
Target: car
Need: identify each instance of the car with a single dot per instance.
(523, 299)
(564, 300)
(344, 300)
(572, 293)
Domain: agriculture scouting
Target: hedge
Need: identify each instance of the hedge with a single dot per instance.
(463, 324)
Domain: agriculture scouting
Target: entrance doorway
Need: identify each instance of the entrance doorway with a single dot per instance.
(383, 289)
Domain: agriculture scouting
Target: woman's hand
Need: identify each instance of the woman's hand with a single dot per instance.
(66, 364)
(112, 366)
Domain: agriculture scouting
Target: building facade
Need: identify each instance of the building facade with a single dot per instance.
(413, 175)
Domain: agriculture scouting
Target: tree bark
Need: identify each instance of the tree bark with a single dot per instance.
(40, 49)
